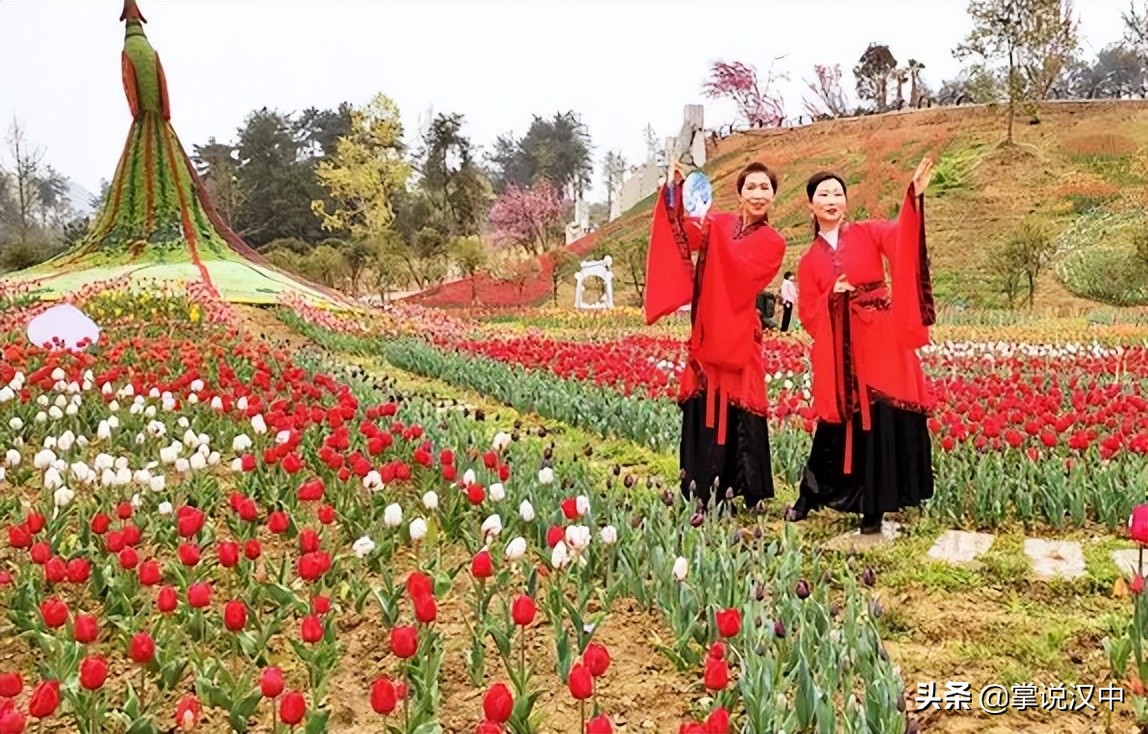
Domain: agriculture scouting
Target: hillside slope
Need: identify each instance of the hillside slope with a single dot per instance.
(1082, 170)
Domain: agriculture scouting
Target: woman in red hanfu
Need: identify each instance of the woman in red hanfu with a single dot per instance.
(724, 447)
(871, 450)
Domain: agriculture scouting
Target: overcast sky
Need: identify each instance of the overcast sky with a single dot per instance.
(619, 64)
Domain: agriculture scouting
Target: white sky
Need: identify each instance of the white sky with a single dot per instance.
(621, 64)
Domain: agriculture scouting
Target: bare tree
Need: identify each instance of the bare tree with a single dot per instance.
(27, 174)
(873, 71)
(830, 98)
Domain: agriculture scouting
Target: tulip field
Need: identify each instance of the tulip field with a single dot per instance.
(403, 521)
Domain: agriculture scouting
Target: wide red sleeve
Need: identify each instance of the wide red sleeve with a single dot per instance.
(812, 300)
(669, 268)
(903, 243)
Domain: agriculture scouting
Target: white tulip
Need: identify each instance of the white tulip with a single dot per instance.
(63, 497)
(6, 394)
(107, 389)
(43, 401)
(240, 443)
(60, 401)
(103, 461)
(577, 537)
(121, 462)
(16, 424)
(3, 474)
(113, 422)
(526, 511)
(58, 374)
(55, 413)
(149, 411)
(182, 465)
(52, 479)
(363, 547)
(258, 424)
(545, 475)
(155, 429)
(217, 403)
(165, 508)
(282, 437)
(104, 431)
(516, 549)
(491, 527)
(430, 500)
(197, 461)
(393, 515)
(12, 458)
(582, 503)
(153, 393)
(468, 477)
(609, 535)
(197, 385)
(137, 500)
(373, 481)
(66, 441)
(241, 403)
(157, 483)
(213, 458)
(418, 529)
(497, 492)
(237, 465)
(559, 556)
(681, 568)
(501, 441)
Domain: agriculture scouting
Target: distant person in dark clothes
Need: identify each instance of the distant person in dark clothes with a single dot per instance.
(766, 304)
(788, 298)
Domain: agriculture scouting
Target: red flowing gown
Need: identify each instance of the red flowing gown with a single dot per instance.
(722, 393)
(871, 450)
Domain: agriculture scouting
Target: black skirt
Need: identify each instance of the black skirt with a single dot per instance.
(743, 464)
(892, 464)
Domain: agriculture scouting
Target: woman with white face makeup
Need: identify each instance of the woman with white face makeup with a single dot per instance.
(871, 450)
(724, 449)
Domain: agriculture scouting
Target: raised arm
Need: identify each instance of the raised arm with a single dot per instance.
(669, 267)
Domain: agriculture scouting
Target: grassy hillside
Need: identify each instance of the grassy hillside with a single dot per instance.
(1083, 170)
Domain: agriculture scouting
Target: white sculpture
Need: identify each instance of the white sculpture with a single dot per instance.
(595, 269)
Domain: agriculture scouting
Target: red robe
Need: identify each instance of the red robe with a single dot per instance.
(864, 342)
(734, 264)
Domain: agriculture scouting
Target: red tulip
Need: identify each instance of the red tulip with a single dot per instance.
(292, 708)
(311, 629)
(45, 699)
(11, 684)
(475, 494)
(600, 725)
(728, 622)
(124, 510)
(40, 553)
(580, 682)
(55, 570)
(271, 682)
(79, 570)
(1137, 584)
(19, 536)
(481, 565)
(142, 649)
(34, 522)
(11, 718)
(248, 510)
(570, 508)
(187, 713)
(426, 609)
(716, 674)
(189, 521)
(277, 522)
(252, 550)
(554, 535)
(93, 672)
(131, 535)
(54, 612)
(115, 541)
(189, 554)
(419, 584)
(404, 641)
(597, 659)
(308, 541)
(383, 699)
(692, 727)
(85, 629)
(326, 514)
(100, 524)
(313, 565)
(718, 721)
(1138, 524)
(129, 558)
(199, 595)
(235, 615)
(717, 651)
(149, 573)
(228, 552)
(166, 600)
(320, 605)
(523, 610)
(498, 704)
(488, 727)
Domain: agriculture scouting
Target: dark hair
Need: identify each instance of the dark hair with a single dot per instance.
(816, 180)
(757, 167)
(788, 275)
